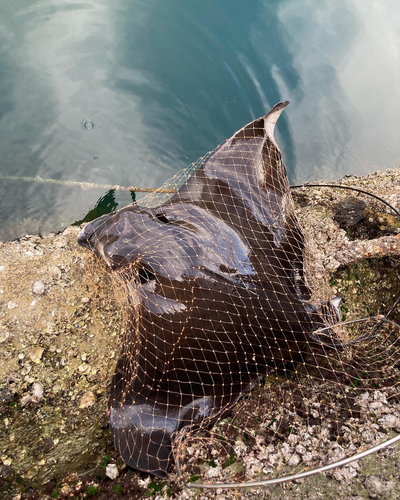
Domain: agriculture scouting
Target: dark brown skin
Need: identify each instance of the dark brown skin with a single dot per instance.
(217, 294)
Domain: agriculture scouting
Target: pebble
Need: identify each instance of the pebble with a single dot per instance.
(38, 287)
(55, 272)
(87, 399)
(61, 242)
(374, 484)
(35, 395)
(390, 421)
(37, 392)
(294, 460)
(112, 471)
(26, 369)
(36, 354)
(12, 305)
(83, 367)
(66, 490)
(344, 474)
(4, 336)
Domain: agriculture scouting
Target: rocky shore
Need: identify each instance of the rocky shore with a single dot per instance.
(60, 331)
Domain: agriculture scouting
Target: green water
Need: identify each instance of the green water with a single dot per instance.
(129, 92)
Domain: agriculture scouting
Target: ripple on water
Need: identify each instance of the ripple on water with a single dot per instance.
(87, 125)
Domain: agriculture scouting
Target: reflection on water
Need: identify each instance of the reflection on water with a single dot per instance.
(129, 92)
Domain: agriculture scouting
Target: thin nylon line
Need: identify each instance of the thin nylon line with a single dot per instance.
(340, 186)
(397, 212)
(266, 482)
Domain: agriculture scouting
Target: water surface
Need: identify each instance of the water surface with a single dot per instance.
(131, 91)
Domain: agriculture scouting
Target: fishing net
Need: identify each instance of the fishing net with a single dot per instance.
(236, 364)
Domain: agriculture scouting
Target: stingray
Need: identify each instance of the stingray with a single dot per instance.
(217, 294)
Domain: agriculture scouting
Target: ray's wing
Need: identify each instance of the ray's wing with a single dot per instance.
(215, 284)
(244, 183)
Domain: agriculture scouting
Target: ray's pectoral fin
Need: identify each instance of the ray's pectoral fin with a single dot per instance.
(271, 118)
(272, 173)
(217, 293)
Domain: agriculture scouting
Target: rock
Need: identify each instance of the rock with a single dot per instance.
(83, 367)
(294, 460)
(55, 272)
(301, 449)
(35, 395)
(24, 332)
(26, 399)
(4, 336)
(374, 485)
(390, 421)
(26, 369)
(6, 461)
(66, 490)
(88, 399)
(60, 242)
(344, 474)
(112, 471)
(36, 354)
(37, 392)
(38, 287)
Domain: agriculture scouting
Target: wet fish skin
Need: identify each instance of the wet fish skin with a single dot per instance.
(217, 292)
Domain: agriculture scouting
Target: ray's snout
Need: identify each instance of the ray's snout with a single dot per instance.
(84, 237)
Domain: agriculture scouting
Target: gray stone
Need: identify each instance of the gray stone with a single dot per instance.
(112, 471)
(4, 336)
(38, 288)
(374, 484)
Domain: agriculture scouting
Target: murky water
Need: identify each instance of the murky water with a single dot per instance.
(130, 91)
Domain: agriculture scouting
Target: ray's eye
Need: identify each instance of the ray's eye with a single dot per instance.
(162, 218)
(145, 276)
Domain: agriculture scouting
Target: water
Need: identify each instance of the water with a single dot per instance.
(131, 91)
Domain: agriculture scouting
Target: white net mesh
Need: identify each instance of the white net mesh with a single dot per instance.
(227, 344)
